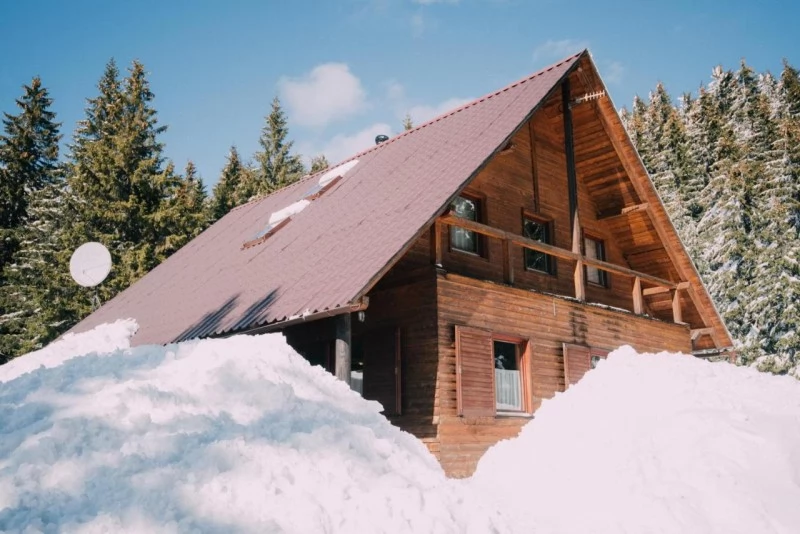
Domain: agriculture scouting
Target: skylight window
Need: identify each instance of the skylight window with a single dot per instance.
(277, 220)
(281, 218)
(329, 179)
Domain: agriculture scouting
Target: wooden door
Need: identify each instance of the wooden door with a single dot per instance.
(382, 368)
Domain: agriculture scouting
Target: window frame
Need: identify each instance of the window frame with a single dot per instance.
(549, 225)
(605, 279)
(523, 358)
(469, 343)
(480, 217)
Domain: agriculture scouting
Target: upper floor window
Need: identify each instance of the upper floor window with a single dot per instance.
(538, 230)
(595, 249)
(466, 207)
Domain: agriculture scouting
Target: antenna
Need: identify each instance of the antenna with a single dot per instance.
(90, 265)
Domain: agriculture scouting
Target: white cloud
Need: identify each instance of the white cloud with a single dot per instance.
(421, 114)
(395, 92)
(418, 24)
(613, 72)
(343, 146)
(551, 49)
(328, 93)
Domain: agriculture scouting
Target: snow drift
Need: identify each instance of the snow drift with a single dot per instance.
(235, 435)
(655, 443)
(243, 435)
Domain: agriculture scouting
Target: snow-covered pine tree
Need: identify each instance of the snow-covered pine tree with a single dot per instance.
(29, 192)
(780, 200)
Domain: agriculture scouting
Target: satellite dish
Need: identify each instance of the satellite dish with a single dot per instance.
(90, 264)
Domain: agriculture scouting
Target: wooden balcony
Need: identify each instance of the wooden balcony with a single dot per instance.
(643, 284)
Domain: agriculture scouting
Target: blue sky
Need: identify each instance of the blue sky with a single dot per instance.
(350, 69)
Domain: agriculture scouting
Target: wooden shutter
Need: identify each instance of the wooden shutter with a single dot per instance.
(382, 369)
(577, 361)
(474, 372)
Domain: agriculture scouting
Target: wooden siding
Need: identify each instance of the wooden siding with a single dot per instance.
(547, 322)
(507, 187)
(411, 307)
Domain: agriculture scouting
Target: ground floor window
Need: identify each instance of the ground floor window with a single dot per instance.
(507, 376)
(491, 374)
(579, 360)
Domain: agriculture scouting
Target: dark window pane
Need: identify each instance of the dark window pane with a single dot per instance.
(594, 249)
(505, 356)
(538, 231)
(460, 238)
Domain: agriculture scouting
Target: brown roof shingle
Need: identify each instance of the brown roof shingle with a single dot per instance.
(328, 253)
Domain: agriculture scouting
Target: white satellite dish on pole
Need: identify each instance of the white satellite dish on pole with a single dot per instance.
(90, 264)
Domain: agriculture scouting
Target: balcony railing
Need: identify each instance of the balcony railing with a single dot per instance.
(509, 239)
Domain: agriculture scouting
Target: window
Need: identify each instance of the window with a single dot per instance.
(466, 207)
(490, 373)
(538, 230)
(507, 377)
(579, 360)
(595, 249)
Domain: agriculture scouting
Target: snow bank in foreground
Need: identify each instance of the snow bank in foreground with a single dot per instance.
(234, 435)
(243, 435)
(655, 443)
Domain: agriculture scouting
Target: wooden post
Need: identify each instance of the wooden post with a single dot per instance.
(343, 360)
(569, 146)
(638, 299)
(576, 234)
(677, 315)
(580, 288)
(508, 262)
(436, 243)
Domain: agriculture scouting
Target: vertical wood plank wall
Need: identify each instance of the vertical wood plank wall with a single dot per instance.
(506, 186)
(411, 305)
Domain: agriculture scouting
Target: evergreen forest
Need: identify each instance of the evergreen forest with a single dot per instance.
(726, 162)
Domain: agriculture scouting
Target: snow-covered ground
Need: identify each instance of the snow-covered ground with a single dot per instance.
(243, 435)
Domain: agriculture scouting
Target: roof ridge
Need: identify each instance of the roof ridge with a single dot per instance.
(438, 118)
(462, 107)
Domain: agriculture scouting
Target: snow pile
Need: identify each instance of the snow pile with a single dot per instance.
(234, 435)
(655, 443)
(243, 435)
(104, 339)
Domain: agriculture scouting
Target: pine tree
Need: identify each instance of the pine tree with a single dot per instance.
(277, 166)
(29, 190)
(319, 163)
(408, 124)
(28, 161)
(225, 196)
(116, 181)
(183, 214)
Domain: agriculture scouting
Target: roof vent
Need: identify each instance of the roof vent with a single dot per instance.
(381, 138)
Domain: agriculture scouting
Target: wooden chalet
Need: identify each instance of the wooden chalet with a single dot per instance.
(459, 273)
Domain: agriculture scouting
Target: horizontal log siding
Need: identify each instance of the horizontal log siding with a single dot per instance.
(548, 322)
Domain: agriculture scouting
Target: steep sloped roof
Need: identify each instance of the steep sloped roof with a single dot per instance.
(328, 253)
